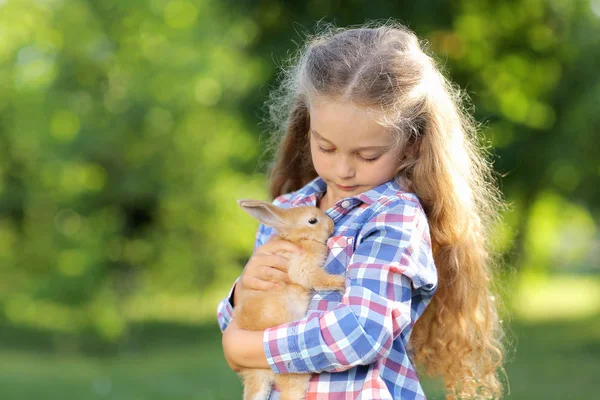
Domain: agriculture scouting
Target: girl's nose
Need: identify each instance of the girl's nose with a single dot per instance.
(344, 168)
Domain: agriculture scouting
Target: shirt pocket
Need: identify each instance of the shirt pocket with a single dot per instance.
(324, 300)
(340, 250)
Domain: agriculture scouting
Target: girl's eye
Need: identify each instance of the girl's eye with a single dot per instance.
(325, 150)
(369, 159)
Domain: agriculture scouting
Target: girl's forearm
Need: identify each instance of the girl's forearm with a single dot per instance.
(251, 346)
(245, 348)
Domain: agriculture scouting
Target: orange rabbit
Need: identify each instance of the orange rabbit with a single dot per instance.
(309, 228)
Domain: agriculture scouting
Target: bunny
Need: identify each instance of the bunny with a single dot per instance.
(309, 228)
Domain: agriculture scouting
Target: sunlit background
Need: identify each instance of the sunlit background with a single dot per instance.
(129, 128)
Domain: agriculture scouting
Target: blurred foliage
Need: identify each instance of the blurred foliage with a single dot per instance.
(129, 128)
(118, 173)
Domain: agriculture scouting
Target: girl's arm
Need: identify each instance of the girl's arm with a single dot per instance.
(243, 349)
(392, 260)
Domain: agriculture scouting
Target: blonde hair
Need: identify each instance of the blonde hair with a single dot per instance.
(459, 336)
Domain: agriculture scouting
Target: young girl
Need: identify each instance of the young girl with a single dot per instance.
(375, 136)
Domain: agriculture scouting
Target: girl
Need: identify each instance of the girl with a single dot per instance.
(372, 133)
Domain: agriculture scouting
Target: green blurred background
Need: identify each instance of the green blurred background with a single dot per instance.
(129, 128)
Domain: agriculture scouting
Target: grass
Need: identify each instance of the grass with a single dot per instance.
(556, 360)
(169, 362)
(553, 360)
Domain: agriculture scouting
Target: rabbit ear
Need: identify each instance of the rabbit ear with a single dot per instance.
(265, 212)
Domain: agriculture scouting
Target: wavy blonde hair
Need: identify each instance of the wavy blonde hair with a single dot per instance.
(459, 336)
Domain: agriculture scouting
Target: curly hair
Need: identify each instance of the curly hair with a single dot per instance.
(459, 337)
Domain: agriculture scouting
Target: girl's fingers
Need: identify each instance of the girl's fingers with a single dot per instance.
(264, 273)
(277, 245)
(265, 269)
(274, 261)
(274, 267)
(275, 275)
(259, 284)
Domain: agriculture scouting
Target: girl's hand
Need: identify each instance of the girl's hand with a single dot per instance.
(265, 270)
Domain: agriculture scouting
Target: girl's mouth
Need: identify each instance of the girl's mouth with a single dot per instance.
(346, 188)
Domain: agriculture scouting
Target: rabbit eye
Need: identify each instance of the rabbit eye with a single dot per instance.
(313, 221)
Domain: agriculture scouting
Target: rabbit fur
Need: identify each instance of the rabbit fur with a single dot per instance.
(309, 228)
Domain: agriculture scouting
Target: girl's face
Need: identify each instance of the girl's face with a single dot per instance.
(350, 151)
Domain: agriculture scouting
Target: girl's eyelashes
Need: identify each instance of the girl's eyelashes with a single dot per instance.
(325, 150)
(369, 159)
(329, 151)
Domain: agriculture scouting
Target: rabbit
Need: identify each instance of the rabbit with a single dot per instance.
(309, 228)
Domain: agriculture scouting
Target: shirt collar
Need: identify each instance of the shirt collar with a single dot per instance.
(310, 193)
(314, 190)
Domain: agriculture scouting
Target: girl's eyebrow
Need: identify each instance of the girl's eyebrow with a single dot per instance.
(357, 149)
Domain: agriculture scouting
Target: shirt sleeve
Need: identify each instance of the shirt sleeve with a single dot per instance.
(382, 273)
(225, 307)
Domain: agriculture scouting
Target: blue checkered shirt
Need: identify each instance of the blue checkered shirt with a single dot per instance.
(357, 344)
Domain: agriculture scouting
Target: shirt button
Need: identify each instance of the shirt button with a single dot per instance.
(345, 204)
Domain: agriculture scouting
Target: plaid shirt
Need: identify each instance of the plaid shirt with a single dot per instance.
(357, 343)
